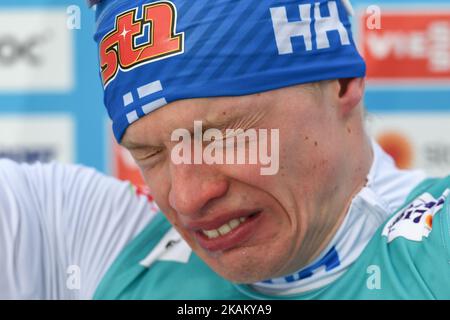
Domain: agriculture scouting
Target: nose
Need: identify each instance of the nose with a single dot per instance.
(193, 187)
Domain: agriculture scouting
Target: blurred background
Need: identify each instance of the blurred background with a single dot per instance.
(51, 99)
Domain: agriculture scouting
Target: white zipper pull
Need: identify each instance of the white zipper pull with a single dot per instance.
(169, 248)
(154, 255)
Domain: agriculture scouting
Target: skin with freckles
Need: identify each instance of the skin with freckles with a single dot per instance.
(325, 156)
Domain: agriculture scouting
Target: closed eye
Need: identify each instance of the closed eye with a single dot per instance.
(147, 159)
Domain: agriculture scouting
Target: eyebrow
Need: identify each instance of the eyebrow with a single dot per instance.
(220, 121)
(132, 145)
(217, 121)
(216, 124)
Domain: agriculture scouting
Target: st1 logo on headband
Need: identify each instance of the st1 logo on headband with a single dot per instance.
(119, 49)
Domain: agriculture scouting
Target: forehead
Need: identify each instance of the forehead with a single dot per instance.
(182, 113)
(214, 112)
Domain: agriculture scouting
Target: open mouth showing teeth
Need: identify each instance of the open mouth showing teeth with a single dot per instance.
(227, 227)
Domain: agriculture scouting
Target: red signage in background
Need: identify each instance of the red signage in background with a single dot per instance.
(126, 169)
(415, 140)
(124, 166)
(411, 45)
(397, 145)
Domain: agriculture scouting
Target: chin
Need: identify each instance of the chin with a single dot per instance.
(246, 265)
(261, 256)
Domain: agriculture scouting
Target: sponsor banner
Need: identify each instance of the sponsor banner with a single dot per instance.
(37, 138)
(414, 141)
(412, 45)
(36, 51)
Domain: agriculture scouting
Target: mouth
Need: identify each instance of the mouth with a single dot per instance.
(229, 234)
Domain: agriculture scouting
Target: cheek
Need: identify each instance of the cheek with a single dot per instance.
(159, 185)
(308, 166)
(249, 174)
(273, 194)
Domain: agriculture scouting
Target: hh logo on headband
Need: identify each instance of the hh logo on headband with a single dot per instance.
(134, 42)
(285, 30)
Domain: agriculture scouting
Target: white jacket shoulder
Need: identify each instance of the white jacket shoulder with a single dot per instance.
(61, 227)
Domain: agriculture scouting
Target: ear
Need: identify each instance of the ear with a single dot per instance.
(351, 92)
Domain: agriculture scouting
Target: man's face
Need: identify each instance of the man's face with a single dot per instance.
(277, 219)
